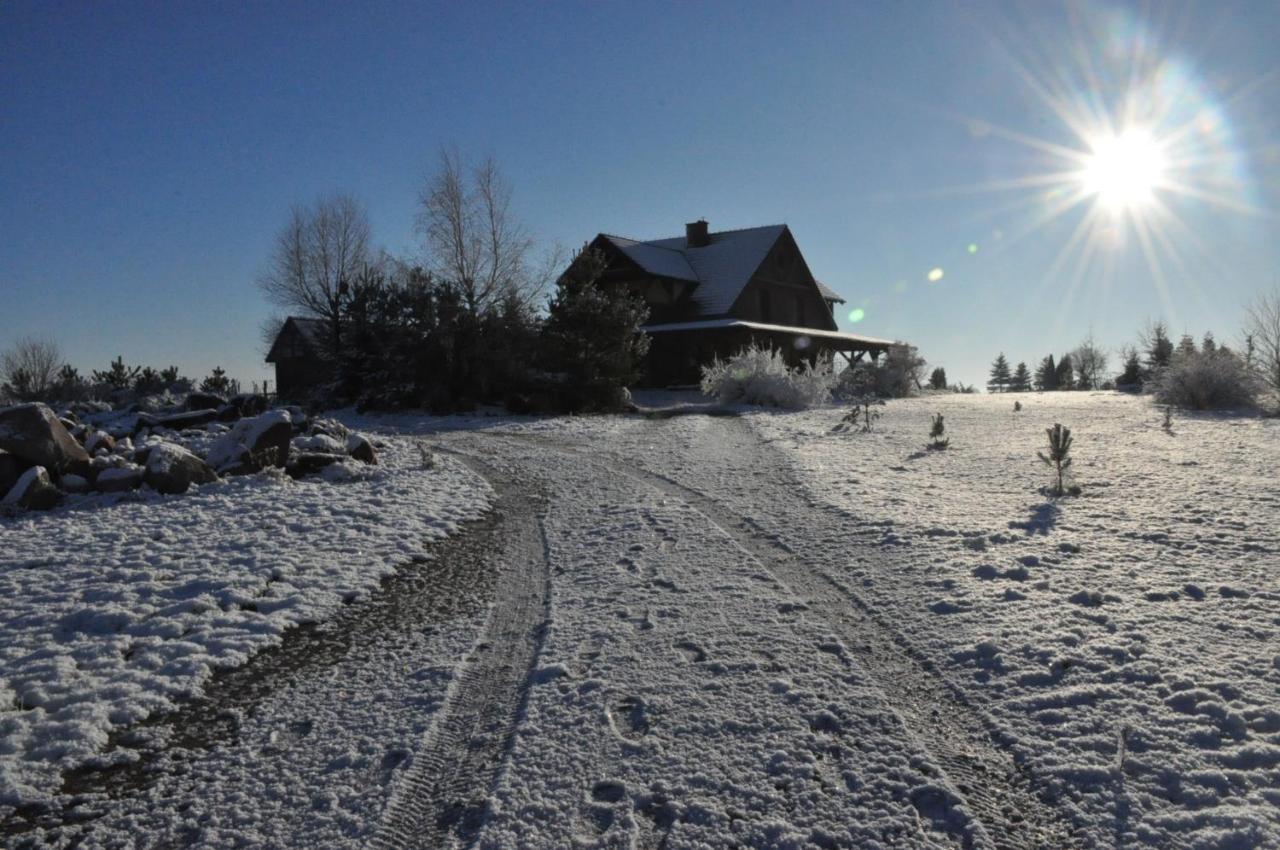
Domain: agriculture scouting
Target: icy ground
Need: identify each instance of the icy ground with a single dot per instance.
(117, 605)
(750, 632)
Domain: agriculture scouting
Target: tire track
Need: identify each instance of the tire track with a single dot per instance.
(994, 802)
(442, 799)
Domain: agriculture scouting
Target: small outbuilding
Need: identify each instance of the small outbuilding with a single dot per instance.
(298, 355)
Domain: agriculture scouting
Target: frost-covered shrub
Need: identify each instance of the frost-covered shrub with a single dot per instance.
(1207, 380)
(896, 375)
(757, 375)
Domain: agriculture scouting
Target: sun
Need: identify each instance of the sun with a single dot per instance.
(1124, 170)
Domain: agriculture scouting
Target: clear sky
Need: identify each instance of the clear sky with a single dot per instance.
(150, 151)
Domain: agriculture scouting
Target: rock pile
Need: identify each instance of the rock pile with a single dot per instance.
(44, 456)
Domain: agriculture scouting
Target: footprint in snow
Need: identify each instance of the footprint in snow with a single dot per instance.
(691, 651)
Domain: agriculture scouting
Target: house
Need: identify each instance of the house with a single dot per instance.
(297, 354)
(711, 294)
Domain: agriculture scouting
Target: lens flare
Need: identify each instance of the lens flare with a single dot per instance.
(934, 275)
(857, 314)
(973, 247)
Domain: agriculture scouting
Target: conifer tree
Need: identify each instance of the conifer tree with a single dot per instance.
(937, 432)
(1132, 374)
(1047, 374)
(938, 379)
(1021, 380)
(1186, 346)
(999, 380)
(1065, 376)
(1059, 456)
(592, 334)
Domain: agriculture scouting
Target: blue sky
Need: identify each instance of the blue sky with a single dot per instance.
(150, 152)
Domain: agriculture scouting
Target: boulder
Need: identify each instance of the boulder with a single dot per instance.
(361, 449)
(173, 469)
(119, 479)
(176, 421)
(11, 469)
(320, 443)
(34, 434)
(308, 463)
(33, 491)
(204, 401)
(243, 405)
(71, 483)
(329, 427)
(99, 440)
(252, 444)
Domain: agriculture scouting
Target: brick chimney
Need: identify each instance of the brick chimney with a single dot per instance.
(696, 235)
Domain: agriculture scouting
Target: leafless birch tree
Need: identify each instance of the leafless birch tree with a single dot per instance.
(475, 241)
(1263, 326)
(316, 256)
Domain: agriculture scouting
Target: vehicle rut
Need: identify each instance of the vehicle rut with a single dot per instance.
(992, 787)
(442, 799)
(462, 576)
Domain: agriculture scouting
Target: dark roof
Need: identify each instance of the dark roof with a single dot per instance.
(311, 331)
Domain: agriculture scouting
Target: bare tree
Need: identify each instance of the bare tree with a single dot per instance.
(1263, 327)
(1090, 364)
(475, 241)
(29, 370)
(322, 248)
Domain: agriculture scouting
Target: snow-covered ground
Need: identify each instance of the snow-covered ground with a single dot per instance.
(1127, 640)
(759, 634)
(117, 605)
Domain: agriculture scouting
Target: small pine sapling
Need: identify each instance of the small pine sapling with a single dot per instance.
(1167, 424)
(1017, 406)
(1059, 456)
(861, 411)
(937, 429)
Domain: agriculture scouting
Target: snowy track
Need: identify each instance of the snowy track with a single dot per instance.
(997, 807)
(442, 799)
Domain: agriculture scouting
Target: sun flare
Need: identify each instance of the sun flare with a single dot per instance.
(1123, 171)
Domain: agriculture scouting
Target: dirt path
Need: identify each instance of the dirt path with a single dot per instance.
(790, 534)
(441, 801)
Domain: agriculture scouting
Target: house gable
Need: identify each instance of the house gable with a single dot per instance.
(782, 291)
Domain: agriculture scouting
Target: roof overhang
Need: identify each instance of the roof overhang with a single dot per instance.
(852, 341)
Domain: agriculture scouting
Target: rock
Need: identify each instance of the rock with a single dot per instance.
(308, 463)
(176, 421)
(329, 427)
(33, 433)
(361, 449)
(204, 401)
(72, 483)
(243, 405)
(120, 479)
(11, 469)
(33, 491)
(322, 443)
(172, 469)
(99, 440)
(252, 444)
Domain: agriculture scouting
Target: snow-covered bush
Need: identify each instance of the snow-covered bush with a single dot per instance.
(1207, 380)
(757, 375)
(896, 375)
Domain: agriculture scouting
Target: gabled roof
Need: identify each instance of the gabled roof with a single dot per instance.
(311, 331)
(721, 269)
(713, 324)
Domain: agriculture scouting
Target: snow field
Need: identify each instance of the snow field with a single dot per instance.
(119, 605)
(1126, 640)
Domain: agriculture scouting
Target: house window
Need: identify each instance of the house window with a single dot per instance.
(764, 305)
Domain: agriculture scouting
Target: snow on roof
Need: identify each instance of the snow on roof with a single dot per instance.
(829, 293)
(721, 269)
(708, 324)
